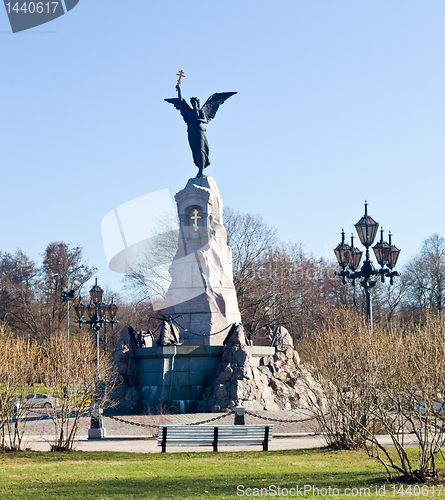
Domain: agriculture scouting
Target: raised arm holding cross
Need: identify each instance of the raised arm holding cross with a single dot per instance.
(180, 75)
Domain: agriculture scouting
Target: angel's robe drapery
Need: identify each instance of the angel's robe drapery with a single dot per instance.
(198, 141)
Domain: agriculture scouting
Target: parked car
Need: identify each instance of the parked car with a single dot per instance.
(85, 402)
(37, 400)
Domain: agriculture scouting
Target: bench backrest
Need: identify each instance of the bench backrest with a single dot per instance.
(208, 435)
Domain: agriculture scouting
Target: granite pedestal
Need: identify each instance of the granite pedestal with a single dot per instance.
(202, 289)
(173, 378)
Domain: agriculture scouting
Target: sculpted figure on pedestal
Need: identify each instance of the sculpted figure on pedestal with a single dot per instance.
(195, 116)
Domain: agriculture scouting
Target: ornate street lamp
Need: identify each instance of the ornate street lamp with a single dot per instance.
(393, 255)
(343, 252)
(97, 312)
(349, 257)
(356, 256)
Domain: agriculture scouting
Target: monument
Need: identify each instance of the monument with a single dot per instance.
(201, 303)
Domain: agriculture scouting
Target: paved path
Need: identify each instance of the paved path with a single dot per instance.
(296, 429)
(40, 422)
(135, 433)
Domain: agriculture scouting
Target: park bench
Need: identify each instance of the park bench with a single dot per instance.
(209, 435)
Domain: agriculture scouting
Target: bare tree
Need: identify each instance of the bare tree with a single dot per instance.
(86, 388)
(30, 297)
(424, 276)
(386, 380)
(335, 353)
(148, 282)
(19, 361)
(58, 258)
(18, 291)
(250, 239)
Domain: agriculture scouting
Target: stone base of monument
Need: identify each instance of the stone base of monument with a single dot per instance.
(202, 290)
(173, 378)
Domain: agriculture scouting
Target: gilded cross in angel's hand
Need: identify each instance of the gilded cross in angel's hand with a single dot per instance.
(180, 75)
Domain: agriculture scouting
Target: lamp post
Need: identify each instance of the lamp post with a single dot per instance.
(349, 259)
(66, 297)
(97, 312)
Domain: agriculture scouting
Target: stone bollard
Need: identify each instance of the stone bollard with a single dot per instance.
(97, 430)
(239, 415)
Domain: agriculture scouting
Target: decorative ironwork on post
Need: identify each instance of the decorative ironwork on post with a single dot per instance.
(349, 258)
(97, 312)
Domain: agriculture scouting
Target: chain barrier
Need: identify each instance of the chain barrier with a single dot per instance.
(212, 419)
(128, 421)
(203, 334)
(246, 412)
(156, 426)
(276, 419)
(186, 329)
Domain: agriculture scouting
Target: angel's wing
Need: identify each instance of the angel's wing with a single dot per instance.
(213, 103)
(182, 105)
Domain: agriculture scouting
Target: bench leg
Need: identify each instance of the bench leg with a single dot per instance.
(164, 439)
(215, 439)
(266, 439)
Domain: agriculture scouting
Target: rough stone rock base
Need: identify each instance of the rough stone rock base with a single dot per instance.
(279, 383)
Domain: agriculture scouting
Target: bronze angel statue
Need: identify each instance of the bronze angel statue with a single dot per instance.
(194, 117)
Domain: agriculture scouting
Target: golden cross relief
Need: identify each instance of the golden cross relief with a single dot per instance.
(195, 217)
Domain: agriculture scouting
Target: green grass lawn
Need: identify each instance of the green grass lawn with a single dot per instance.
(29, 390)
(106, 475)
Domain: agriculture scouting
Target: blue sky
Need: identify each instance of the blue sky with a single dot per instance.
(338, 102)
